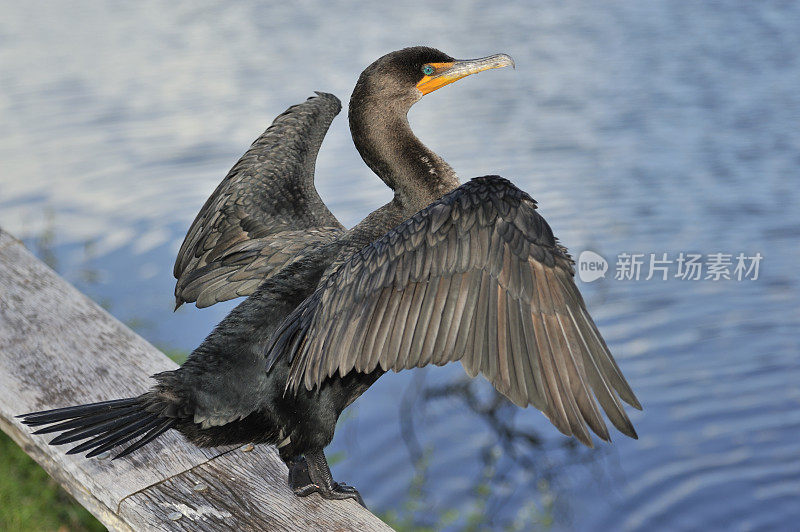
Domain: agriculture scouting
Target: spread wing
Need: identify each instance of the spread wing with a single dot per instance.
(264, 214)
(476, 277)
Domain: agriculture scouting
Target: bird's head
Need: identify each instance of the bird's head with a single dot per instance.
(406, 75)
(383, 95)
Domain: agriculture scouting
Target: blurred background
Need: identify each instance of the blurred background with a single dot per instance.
(640, 127)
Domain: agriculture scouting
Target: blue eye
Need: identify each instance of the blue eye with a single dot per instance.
(428, 70)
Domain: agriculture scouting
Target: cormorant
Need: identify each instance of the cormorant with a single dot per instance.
(441, 273)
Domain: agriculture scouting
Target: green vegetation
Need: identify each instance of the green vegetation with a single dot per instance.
(32, 501)
(177, 355)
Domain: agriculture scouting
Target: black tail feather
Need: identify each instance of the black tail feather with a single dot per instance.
(116, 437)
(70, 412)
(109, 424)
(144, 426)
(84, 422)
(83, 432)
(154, 433)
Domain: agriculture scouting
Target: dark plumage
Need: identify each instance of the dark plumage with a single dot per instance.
(264, 214)
(441, 273)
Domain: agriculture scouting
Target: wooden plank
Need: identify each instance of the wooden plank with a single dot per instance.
(58, 348)
(194, 499)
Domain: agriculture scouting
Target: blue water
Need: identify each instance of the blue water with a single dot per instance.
(640, 127)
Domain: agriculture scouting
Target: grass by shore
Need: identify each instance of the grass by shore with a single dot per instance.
(32, 501)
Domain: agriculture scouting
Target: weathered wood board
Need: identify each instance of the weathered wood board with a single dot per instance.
(58, 348)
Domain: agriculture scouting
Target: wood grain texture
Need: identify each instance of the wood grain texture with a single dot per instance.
(237, 491)
(58, 348)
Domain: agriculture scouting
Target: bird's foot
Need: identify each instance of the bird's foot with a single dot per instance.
(301, 483)
(339, 490)
(299, 479)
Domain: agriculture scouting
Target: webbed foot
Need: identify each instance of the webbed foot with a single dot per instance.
(311, 474)
(339, 490)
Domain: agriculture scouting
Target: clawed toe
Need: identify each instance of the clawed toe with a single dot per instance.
(313, 476)
(343, 491)
(305, 491)
(336, 492)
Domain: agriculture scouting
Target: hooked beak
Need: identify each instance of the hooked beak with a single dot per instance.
(446, 73)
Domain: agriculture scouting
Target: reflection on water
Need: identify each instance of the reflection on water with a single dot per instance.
(663, 126)
(515, 483)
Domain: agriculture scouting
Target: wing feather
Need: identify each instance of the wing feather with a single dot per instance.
(431, 327)
(466, 326)
(534, 375)
(556, 410)
(369, 354)
(450, 315)
(264, 214)
(577, 376)
(477, 277)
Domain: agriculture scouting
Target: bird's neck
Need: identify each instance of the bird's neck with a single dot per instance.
(384, 139)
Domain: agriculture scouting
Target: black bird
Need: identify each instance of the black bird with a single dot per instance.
(441, 273)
